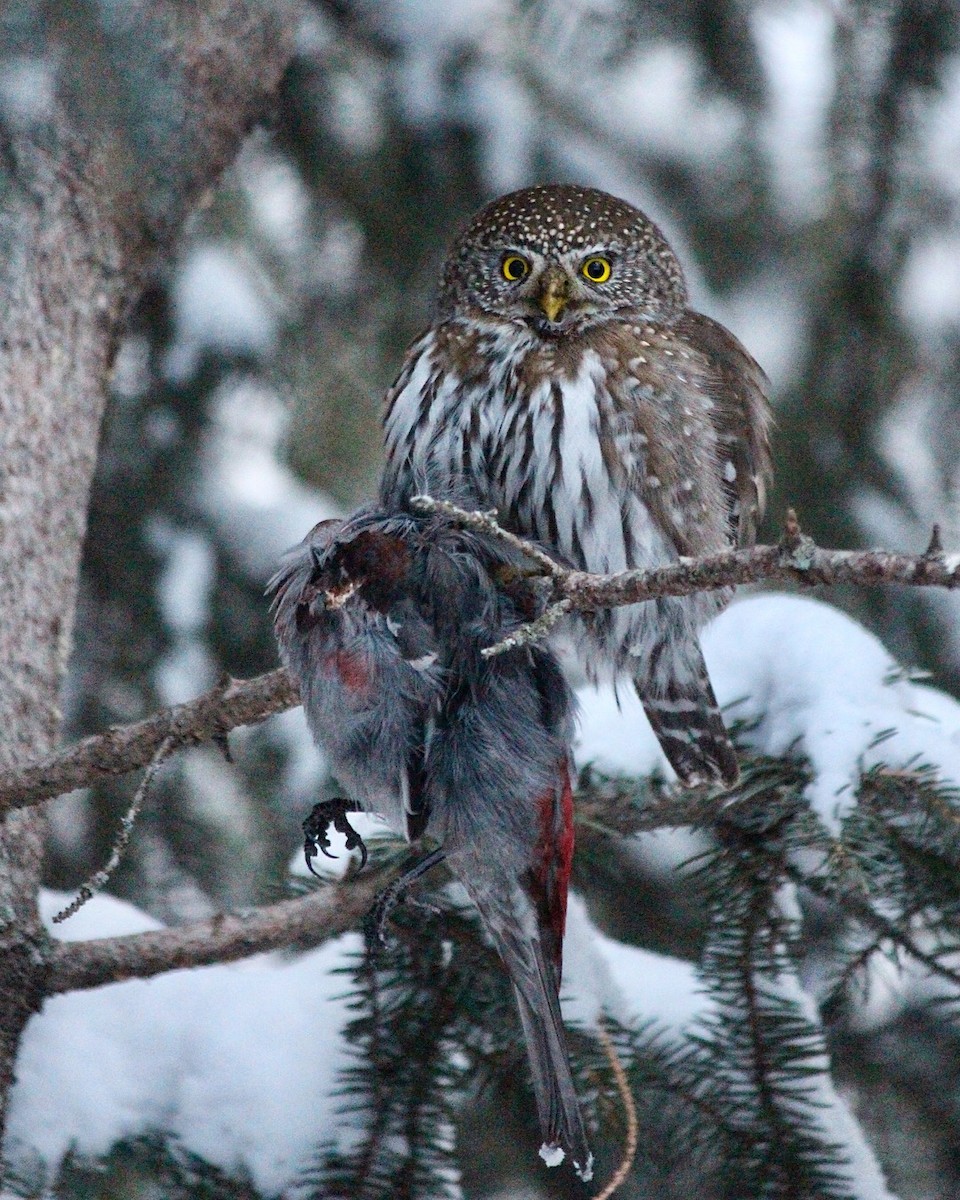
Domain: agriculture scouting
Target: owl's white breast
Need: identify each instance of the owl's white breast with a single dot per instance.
(528, 442)
(528, 439)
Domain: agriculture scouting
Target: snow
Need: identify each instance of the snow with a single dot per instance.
(795, 42)
(27, 91)
(258, 506)
(631, 984)
(220, 302)
(658, 97)
(824, 1108)
(186, 1053)
(191, 1053)
(930, 289)
(811, 682)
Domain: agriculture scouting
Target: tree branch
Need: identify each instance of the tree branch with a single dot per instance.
(307, 921)
(234, 702)
(796, 558)
(324, 912)
(125, 748)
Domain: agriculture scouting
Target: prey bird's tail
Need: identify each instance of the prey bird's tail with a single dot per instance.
(534, 971)
(561, 1122)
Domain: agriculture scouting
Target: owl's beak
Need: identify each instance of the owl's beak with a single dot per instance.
(554, 293)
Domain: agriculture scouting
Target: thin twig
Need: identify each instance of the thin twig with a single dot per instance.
(535, 631)
(99, 880)
(629, 1110)
(486, 522)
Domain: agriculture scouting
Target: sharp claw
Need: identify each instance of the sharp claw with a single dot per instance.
(315, 840)
(309, 854)
(354, 840)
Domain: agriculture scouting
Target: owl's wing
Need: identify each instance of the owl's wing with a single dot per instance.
(740, 392)
(659, 444)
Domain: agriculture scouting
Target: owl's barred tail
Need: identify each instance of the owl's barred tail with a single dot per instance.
(686, 718)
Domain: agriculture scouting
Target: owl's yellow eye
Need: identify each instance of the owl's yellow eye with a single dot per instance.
(514, 268)
(597, 269)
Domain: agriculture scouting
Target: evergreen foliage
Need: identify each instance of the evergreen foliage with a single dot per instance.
(746, 1099)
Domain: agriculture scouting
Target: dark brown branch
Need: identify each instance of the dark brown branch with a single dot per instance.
(311, 919)
(242, 702)
(306, 921)
(125, 748)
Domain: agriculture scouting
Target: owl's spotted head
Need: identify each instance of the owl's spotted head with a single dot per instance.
(561, 258)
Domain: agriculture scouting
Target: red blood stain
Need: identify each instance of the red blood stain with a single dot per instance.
(353, 671)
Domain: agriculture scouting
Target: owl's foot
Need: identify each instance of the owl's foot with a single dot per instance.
(396, 893)
(315, 831)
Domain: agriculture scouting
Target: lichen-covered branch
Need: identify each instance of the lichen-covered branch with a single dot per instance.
(125, 748)
(796, 558)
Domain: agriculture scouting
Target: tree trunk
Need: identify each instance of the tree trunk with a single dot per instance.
(103, 149)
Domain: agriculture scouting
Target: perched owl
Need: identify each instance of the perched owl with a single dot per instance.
(566, 383)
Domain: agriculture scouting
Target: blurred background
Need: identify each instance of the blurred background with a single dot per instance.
(802, 156)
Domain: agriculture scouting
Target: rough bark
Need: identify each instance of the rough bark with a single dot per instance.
(124, 116)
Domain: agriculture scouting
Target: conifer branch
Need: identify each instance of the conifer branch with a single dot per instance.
(885, 929)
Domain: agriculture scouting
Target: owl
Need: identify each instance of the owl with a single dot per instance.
(566, 383)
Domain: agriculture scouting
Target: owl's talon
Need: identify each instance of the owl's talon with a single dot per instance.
(316, 827)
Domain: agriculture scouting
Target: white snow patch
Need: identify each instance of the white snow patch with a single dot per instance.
(659, 97)
(220, 302)
(930, 290)
(27, 90)
(259, 506)
(185, 1052)
(813, 682)
(817, 683)
(631, 984)
(827, 1109)
(614, 734)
